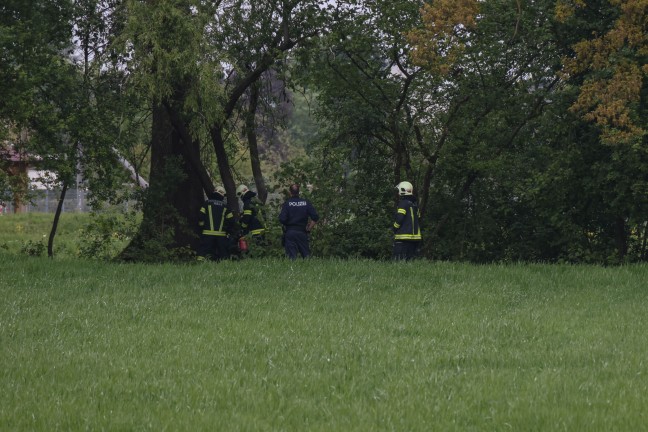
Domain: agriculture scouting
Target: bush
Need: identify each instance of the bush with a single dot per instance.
(105, 235)
(33, 248)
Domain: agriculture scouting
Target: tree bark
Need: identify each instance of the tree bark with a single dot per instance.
(224, 168)
(171, 207)
(191, 149)
(57, 217)
(644, 243)
(250, 128)
(621, 238)
(188, 196)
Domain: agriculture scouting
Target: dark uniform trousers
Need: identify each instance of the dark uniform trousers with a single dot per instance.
(296, 242)
(214, 247)
(405, 250)
(294, 216)
(407, 232)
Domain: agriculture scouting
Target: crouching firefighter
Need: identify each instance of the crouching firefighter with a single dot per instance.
(252, 220)
(407, 232)
(216, 224)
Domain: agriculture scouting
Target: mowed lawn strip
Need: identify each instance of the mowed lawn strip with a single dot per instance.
(321, 345)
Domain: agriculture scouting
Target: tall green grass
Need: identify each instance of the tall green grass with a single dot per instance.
(322, 345)
(28, 234)
(17, 230)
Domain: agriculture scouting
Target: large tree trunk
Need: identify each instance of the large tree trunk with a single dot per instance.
(621, 237)
(643, 253)
(224, 169)
(191, 149)
(250, 128)
(174, 197)
(187, 197)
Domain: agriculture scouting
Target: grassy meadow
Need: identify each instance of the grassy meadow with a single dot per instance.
(17, 230)
(28, 234)
(321, 345)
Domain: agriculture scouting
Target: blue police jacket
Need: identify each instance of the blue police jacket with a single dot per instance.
(295, 213)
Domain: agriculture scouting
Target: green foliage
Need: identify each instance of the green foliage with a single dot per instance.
(354, 200)
(14, 187)
(270, 248)
(105, 235)
(33, 248)
(5, 194)
(482, 128)
(65, 95)
(155, 244)
(16, 230)
(40, 29)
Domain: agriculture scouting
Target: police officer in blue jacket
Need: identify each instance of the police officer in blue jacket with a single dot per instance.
(298, 217)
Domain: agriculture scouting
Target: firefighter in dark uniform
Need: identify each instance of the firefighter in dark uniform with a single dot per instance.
(298, 217)
(407, 232)
(216, 224)
(252, 220)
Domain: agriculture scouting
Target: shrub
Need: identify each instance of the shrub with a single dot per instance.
(105, 235)
(33, 248)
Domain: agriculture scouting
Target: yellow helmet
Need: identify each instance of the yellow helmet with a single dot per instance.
(241, 190)
(405, 188)
(220, 190)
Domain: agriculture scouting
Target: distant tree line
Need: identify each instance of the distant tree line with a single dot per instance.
(521, 124)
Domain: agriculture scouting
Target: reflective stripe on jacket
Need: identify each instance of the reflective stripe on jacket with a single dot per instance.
(216, 220)
(252, 220)
(406, 224)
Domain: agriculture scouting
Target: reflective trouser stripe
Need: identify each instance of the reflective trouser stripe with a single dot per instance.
(211, 219)
(407, 237)
(222, 221)
(214, 233)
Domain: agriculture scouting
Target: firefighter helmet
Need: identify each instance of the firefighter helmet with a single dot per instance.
(220, 190)
(241, 190)
(405, 188)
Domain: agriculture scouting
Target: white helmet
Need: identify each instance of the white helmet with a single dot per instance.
(405, 188)
(241, 190)
(220, 190)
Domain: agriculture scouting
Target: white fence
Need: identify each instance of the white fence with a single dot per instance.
(45, 201)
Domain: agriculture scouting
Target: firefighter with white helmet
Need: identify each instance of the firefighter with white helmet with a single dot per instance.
(407, 232)
(241, 190)
(252, 219)
(216, 224)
